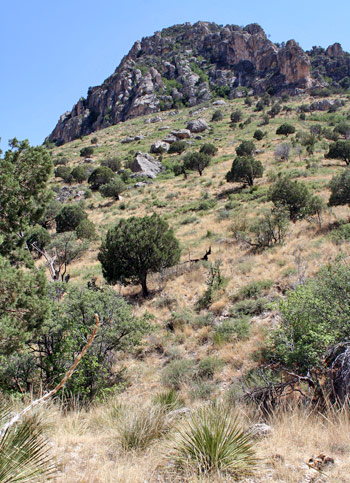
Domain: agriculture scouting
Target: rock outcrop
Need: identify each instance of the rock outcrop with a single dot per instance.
(185, 65)
(144, 165)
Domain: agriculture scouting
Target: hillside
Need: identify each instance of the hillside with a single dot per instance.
(187, 64)
(205, 333)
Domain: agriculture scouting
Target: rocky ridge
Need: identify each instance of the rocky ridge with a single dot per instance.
(186, 65)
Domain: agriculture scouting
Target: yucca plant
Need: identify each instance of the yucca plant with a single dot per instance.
(211, 439)
(24, 451)
(169, 400)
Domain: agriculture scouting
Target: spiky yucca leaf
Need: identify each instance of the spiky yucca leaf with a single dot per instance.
(24, 452)
(212, 440)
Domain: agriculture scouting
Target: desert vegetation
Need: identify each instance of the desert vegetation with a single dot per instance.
(221, 284)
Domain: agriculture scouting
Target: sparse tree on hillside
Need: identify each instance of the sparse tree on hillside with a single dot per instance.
(285, 129)
(246, 148)
(196, 162)
(136, 247)
(245, 169)
(294, 195)
(69, 218)
(340, 189)
(339, 150)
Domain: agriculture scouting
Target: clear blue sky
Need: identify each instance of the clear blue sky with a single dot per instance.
(51, 52)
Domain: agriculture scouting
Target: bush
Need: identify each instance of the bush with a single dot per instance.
(100, 176)
(135, 247)
(209, 149)
(208, 366)
(87, 152)
(113, 163)
(178, 372)
(94, 140)
(339, 150)
(86, 230)
(177, 147)
(217, 116)
(231, 329)
(196, 162)
(168, 400)
(293, 195)
(69, 218)
(245, 169)
(285, 129)
(236, 116)
(139, 427)
(314, 317)
(60, 161)
(269, 229)
(212, 440)
(79, 174)
(258, 134)
(254, 289)
(63, 172)
(282, 151)
(39, 236)
(113, 189)
(340, 189)
(246, 148)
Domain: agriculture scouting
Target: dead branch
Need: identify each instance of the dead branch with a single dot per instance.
(49, 395)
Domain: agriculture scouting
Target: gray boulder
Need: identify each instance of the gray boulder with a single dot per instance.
(199, 125)
(159, 147)
(182, 133)
(127, 140)
(219, 102)
(144, 165)
(323, 105)
(170, 139)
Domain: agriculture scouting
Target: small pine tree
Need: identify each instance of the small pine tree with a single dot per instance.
(245, 169)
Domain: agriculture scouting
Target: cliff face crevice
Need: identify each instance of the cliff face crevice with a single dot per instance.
(186, 65)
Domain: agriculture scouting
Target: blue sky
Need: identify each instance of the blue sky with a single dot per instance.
(52, 52)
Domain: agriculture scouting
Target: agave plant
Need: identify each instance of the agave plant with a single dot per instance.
(212, 440)
(24, 451)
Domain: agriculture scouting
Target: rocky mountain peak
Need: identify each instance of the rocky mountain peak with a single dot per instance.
(185, 65)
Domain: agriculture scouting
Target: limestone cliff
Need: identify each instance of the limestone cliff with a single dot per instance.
(186, 65)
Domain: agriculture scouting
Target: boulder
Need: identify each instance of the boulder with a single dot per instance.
(322, 105)
(199, 125)
(219, 102)
(182, 133)
(170, 139)
(260, 430)
(145, 165)
(159, 147)
(127, 140)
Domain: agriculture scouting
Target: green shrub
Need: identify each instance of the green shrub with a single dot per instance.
(292, 195)
(86, 230)
(63, 172)
(254, 289)
(217, 116)
(211, 439)
(87, 152)
(69, 218)
(39, 236)
(100, 176)
(258, 134)
(249, 307)
(314, 317)
(113, 188)
(208, 366)
(196, 162)
(236, 116)
(285, 129)
(231, 329)
(341, 234)
(79, 174)
(340, 189)
(113, 163)
(177, 373)
(209, 149)
(246, 148)
(177, 147)
(202, 390)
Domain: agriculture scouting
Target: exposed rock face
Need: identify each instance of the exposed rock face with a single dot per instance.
(182, 133)
(332, 63)
(186, 65)
(145, 165)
